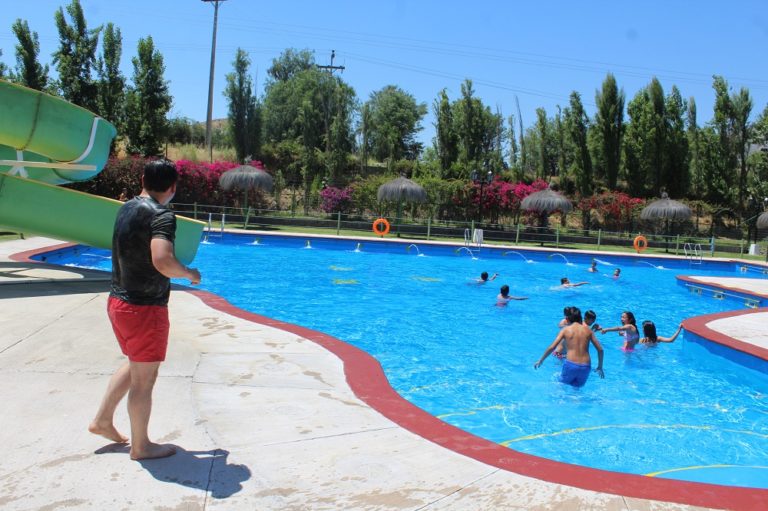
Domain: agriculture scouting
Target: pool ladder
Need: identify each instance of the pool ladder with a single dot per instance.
(209, 227)
(693, 253)
(473, 237)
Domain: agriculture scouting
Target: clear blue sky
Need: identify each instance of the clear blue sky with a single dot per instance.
(538, 51)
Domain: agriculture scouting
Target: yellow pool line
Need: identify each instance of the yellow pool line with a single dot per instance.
(699, 467)
(627, 426)
(470, 412)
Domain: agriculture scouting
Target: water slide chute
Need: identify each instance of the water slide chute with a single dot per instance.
(47, 141)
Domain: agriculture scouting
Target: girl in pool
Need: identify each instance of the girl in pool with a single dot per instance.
(628, 329)
(651, 339)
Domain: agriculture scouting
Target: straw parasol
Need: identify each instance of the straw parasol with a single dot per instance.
(545, 202)
(762, 221)
(401, 189)
(666, 209)
(246, 178)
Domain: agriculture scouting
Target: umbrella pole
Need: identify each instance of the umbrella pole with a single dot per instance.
(245, 202)
(399, 212)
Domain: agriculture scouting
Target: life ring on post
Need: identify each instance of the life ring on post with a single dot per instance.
(640, 243)
(380, 226)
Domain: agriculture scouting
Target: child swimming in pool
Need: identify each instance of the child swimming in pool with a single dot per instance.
(651, 339)
(504, 297)
(577, 365)
(485, 278)
(565, 282)
(628, 329)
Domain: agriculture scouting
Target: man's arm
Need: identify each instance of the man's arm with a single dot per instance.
(549, 350)
(599, 348)
(164, 260)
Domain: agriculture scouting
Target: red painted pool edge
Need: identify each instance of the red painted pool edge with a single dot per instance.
(368, 382)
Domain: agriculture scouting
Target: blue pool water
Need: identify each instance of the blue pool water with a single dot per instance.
(672, 411)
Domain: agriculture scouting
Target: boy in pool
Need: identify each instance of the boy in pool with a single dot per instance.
(616, 273)
(504, 297)
(564, 282)
(484, 277)
(593, 268)
(577, 364)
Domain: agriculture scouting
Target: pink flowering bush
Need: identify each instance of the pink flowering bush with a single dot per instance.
(199, 182)
(334, 199)
(615, 208)
(500, 198)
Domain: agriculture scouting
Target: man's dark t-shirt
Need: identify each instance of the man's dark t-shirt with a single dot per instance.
(134, 278)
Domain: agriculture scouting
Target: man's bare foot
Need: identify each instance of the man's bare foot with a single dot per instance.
(108, 431)
(151, 451)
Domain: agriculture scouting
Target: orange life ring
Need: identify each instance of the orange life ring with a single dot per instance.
(640, 243)
(380, 226)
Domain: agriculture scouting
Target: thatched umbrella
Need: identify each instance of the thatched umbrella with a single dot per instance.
(666, 209)
(762, 221)
(546, 201)
(401, 189)
(246, 178)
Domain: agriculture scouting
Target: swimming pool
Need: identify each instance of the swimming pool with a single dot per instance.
(672, 411)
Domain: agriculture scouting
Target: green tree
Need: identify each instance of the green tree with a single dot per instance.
(694, 160)
(147, 102)
(446, 141)
(243, 112)
(545, 163)
(29, 71)
(395, 120)
(577, 124)
(290, 63)
(742, 108)
(76, 57)
(111, 82)
(675, 171)
(722, 154)
(658, 136)
(609, 129)
(365, 130)
(3, 67)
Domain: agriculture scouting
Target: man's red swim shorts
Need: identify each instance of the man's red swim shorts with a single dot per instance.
(141, 330)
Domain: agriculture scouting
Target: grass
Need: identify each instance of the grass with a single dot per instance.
(628, 249)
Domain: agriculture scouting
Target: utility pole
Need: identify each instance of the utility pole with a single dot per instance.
(331, 68)
(208, 145)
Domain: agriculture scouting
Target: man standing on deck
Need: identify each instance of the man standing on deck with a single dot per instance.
(143, 262)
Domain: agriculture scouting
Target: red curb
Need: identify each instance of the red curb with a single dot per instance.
(367, 380)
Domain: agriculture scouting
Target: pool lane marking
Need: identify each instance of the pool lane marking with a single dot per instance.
(626, 426)
(699, 467)
(427, 279)
(345, 282)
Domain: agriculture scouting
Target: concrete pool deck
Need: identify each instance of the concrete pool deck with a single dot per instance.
(265, 415)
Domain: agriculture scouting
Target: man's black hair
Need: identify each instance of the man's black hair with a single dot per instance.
(159, 175)
(574, 315)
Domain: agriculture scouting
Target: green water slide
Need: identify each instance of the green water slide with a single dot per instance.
(46, 141)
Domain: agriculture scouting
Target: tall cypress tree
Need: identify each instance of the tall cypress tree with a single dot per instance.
(243, 122)
(446, 143)
(147, 102)
(694, 160)
(742, 107)
(609, 125)
(577, 124)
(675, 171)
(29, 71)
(76, 57)
(111, 82)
